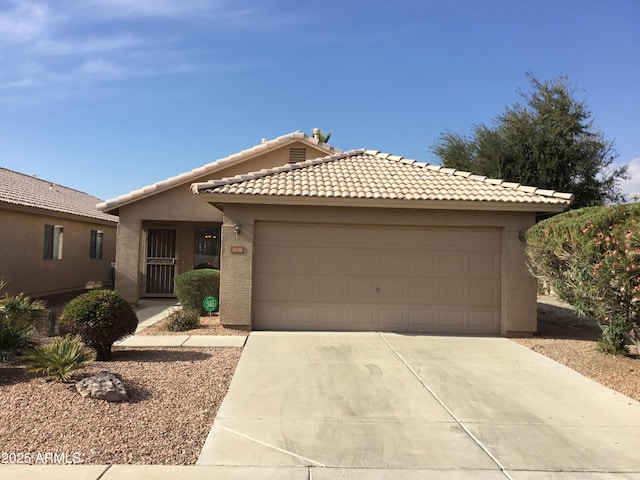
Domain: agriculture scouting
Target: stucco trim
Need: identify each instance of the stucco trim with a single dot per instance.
(218, 200)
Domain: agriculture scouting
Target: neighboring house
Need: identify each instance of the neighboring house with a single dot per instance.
(165, 230)
(310, 238)
(52, 238)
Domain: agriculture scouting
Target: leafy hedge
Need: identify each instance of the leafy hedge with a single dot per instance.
(193, 286)
(591, 258)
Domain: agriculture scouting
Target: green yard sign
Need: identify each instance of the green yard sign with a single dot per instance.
(210, 304)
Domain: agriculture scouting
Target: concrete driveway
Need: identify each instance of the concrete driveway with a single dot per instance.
(364, 405)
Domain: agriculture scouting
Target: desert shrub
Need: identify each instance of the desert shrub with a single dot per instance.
(192, 287)
(61, 358)
(183, 319)
(16, 325)
(591, 258)
(100, 317)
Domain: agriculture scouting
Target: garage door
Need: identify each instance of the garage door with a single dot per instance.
(348, 277)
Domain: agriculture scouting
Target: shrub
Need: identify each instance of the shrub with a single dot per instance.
(183, 319)
(591, 259)
(192, 287)
(61, 358)
(100, 317)
(16, 327)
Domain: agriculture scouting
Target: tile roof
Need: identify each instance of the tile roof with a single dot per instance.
(29, 191)
(209, 168)
(369, 174)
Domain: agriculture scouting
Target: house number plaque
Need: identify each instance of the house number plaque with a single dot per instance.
(237, 249)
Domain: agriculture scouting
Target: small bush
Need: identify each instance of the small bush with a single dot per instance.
(61, 358)
(182, 319)
(16, 327)
(100, 317)
(192, 287)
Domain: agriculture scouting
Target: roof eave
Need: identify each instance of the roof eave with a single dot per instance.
(219, 199)
(112, 206)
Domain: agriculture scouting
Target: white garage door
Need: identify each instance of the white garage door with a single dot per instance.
(346, 277)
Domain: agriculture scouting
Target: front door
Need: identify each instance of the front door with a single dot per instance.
(161, 262)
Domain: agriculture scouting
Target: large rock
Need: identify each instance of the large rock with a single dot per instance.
(103, 386)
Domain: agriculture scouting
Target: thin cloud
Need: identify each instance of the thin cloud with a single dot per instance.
(83, 42)
(631, 186)
(25, 21)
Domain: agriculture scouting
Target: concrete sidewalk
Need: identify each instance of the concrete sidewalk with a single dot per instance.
(150, 311)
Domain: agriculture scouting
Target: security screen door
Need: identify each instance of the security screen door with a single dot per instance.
(161, 262)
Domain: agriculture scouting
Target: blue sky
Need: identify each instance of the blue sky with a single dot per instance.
(107, 96)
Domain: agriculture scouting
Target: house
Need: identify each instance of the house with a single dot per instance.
(311, 238)
(363, 240)
(165, 230)
(53, 238)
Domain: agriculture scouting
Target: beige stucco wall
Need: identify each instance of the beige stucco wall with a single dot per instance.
(169, 208)
(518, 305)
(22, 245)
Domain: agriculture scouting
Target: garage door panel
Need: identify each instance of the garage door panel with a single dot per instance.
(452, 265)
(483, 320)
(452, 291)
(392, 289)
(332, 288)
(451, 320)
(361, 289)
(421, 319)
(452, 239)
(332, 261)
(393, 318)
(484, 292)
(302, 288)
(426, 290)
(273, 315)
(484, 240)
(271, 286)
(363, 263)
(485, 266)
(332, 318)
(394, 263)
(423, 264)
(347, 277)
(362, 318)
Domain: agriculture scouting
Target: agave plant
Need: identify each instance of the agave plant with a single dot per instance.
(61, 358)
(16, 327)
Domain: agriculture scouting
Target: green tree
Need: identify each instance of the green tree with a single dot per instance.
(547, 141)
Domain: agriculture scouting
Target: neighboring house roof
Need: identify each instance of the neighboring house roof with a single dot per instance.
(371, 175)
(187, 177)
(29, 191)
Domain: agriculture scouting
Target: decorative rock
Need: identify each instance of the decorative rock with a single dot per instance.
(103, 386)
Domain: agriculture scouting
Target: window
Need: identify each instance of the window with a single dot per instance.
(53, 235)
(95, 244)
(207, 247)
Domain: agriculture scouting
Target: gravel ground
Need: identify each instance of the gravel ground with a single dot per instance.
(174, 396)
(208, 326)
(570, 340)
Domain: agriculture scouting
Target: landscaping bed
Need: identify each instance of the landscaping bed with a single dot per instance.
(570, 340)
(209, 325)
(174, 394)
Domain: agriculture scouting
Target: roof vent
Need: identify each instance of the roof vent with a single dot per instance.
(316, 133)
(297, 154)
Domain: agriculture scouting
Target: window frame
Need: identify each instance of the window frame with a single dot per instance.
(96, 244)
(53, 242)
